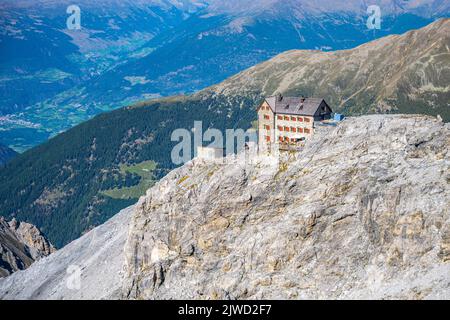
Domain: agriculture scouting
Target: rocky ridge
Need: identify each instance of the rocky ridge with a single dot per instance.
(361, 212)
(99, 256)
(20, 245)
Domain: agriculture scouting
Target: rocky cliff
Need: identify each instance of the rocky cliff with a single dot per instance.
(20, 245)
(98, 254)
(78, 169)
(361, 212)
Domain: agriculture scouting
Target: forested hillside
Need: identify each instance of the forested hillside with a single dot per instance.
(60, 185)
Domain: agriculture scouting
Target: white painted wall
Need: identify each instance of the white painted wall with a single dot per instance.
(208, 153)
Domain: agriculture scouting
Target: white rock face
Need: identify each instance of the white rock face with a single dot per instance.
(362, 212)
(97, 257)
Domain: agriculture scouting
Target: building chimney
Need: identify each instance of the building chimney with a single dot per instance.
(279, 97)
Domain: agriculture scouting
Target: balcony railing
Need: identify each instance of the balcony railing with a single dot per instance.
(291, 146)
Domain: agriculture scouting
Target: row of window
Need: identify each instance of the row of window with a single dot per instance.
(299, 119)
(289, 129)
(292, 129)
(286, 118)
(286, 139)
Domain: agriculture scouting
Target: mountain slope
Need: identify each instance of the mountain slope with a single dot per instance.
(20, 245)
(99, 253)
(43, 64)
(6, 154)
(409, 73)
(129, 51)
(63, 186)
(361, 212)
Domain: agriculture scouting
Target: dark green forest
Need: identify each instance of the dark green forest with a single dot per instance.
(57, 186)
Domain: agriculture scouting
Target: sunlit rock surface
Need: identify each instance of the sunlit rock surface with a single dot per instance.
(361, 212)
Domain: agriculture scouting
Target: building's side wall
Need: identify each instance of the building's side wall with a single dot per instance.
(209, 153)
(324, 112)
(266, 122)
(293, 127)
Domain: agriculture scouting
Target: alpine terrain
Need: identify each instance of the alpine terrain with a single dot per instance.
(361, 212)
(82, 177)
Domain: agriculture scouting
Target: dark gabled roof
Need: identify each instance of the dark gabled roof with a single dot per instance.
(295, 105)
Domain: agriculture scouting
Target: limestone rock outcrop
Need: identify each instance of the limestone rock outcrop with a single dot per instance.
(20, 245)
(90, 267)
(361, 212)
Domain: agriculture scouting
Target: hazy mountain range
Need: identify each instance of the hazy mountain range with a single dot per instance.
(52, 78)
(84, 176)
